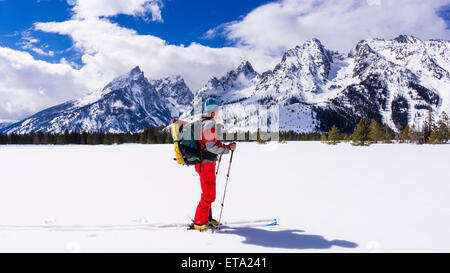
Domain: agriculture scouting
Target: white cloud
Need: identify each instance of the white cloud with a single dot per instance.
(110, 50)
(28, 85)
(211, 34)
(26, 40)
(340, 24)
(155, 9)
(42, 52)
(92, 9)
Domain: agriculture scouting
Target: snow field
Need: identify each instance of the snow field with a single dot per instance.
(384, 198)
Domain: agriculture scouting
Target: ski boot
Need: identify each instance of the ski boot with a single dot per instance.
(214, 223)
(202, 227)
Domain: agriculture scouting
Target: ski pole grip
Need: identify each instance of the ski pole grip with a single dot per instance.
(231, 143)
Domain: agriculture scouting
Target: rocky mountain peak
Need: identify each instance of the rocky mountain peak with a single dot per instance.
(135, 71)
(174, 87)
(246, 68)
(134, 76)
(404, 39)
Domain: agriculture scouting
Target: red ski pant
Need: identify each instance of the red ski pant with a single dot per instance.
(207, 174)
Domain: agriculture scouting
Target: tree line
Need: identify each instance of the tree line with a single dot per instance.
(431, 132)
(151, 135)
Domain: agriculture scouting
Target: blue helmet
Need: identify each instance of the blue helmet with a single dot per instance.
(211, 105)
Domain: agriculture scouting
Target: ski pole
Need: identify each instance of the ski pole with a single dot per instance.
(225, 191)
(218, 165)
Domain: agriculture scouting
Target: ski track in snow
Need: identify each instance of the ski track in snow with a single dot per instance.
(159, 226)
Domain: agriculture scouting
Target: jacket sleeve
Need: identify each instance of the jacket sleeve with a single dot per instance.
(210, 141)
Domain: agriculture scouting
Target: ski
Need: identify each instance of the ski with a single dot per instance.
(254, 223)
(130, 227)
(243, 224)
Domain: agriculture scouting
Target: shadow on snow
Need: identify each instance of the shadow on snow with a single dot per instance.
(288, 239)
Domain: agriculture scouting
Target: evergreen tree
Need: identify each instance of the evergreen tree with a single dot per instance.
(440, 133)
(376, 132)
(59, 139)
(143, 136)
(3, 139)
(281, 139)
(74, 138)
(168, 137)
(36, 139)
(161, 135)
(334, 135)
(406, 135)
(388, 134)
(415, 135)
(443, 127)
(99, 137)
(347, 137)
(428, 126)
(83, 138)
(152, 135)
(66, 137)
(433, 138)
(108, 139)
(361, 135)
(90, 139)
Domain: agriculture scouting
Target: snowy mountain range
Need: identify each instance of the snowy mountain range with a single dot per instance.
(127, 104)
(394, 81)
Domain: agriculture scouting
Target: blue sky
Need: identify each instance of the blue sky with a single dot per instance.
(183, 23)
(444, 12)
(52, 51)
(17, 18)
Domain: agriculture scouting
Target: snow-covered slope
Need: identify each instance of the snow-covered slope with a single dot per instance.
(390, 204)
(128, 104)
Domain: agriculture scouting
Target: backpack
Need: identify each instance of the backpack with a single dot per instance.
(187, 138)
(175, 130)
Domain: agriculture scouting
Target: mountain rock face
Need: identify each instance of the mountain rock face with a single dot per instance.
(395, 82)
(129, 103)
(392, 81)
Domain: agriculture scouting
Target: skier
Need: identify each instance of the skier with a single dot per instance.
(207, 168)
